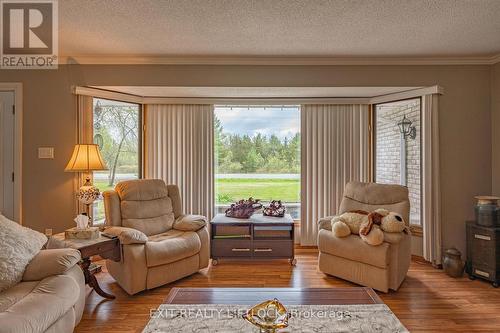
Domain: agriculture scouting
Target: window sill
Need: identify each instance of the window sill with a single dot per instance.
(99, 223)
(416, 230)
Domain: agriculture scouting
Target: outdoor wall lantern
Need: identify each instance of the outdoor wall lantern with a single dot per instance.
(407, 129)
(98, 109)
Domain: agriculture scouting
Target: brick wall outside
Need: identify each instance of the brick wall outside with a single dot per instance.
(388, 149)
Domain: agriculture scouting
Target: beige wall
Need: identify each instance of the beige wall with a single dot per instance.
(495, 127)
(49, 120)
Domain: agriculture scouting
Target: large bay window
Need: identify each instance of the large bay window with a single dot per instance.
(257, 154)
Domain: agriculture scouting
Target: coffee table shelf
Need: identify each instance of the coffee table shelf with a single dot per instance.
(259, 237)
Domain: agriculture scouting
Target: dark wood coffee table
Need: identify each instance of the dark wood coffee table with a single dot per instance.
(288, 296)
(256, 238)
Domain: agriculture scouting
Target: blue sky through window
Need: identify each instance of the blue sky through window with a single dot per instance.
(280, 121)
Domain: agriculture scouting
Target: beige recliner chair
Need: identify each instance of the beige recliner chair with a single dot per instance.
(380, 267)
(159, 243)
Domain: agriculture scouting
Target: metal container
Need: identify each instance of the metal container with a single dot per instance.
(452, 263)
(487, 211)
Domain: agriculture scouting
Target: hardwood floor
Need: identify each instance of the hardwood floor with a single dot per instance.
(428, 300)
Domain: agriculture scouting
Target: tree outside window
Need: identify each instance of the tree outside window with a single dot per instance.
(116, 131)
(257, 153)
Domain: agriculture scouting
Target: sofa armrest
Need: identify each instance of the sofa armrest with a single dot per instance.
(51, 262)
(325, 223)
(127, 236)
(190, 222)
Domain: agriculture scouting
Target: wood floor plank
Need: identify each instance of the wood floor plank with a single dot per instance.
(428, 300)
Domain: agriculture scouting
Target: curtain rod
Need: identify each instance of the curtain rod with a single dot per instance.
(90, 91)
(247, 106)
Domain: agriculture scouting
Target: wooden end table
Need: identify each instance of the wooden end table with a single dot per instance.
(256, 238)
(104, 247)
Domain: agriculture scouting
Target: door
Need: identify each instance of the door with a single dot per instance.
(7, 123)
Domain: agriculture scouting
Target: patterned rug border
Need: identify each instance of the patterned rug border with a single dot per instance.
(225, 318)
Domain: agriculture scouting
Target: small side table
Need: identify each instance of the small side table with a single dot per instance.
(483, 253)
(104, 247)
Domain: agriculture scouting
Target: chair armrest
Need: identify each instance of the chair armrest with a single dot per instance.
(190, 222)
(127, 236)
(396, 237)
(325, 223)
(51, 262)
(112, 210)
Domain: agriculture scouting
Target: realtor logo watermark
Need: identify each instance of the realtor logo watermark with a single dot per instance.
(222, 313)
(29, 31)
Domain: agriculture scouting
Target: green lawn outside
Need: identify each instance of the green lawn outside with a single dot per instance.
(233, 189)
(229, 190)
(102, 185)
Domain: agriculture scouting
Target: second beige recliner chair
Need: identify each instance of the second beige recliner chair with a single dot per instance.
(381, 267)
(159, 243)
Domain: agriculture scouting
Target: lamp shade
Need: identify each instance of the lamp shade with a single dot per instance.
(85, 158)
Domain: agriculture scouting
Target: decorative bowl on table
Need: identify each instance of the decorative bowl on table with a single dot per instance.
(243, 209)
(275, 209)
(268, 316)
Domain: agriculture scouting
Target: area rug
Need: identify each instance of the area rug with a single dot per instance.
(218, 318)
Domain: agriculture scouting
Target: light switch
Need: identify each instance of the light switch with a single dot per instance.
(46, 152)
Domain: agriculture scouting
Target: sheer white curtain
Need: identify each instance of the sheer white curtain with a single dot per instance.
(430, 180)
(334, 151)
(179, 150)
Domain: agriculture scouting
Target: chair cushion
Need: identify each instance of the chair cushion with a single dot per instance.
(23, 307)
(354, 248)
(171, 246)
(151, 217)
(146, 206)
(13, 295)
(376, 194)
(51, 262)
(142, 189)
(371, 196)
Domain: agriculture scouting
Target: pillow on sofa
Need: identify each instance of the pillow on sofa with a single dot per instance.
(18, 247)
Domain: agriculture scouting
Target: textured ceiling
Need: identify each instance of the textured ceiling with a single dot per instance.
(256, 92)
(300, 28)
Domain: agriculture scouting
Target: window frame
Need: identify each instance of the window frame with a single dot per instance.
(264, 106)
(140, 145)
(416, 229)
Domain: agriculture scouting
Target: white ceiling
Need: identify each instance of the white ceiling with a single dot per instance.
(281, 28)
(255, 92)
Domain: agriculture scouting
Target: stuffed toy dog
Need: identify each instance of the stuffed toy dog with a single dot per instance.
(369, 226)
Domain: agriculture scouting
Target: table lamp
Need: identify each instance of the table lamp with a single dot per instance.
(86, 158)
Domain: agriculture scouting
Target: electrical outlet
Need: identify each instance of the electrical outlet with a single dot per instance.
(48, 232)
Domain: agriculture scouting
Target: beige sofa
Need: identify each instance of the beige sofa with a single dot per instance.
(380, 267)
(159, 243)
(50, 297)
